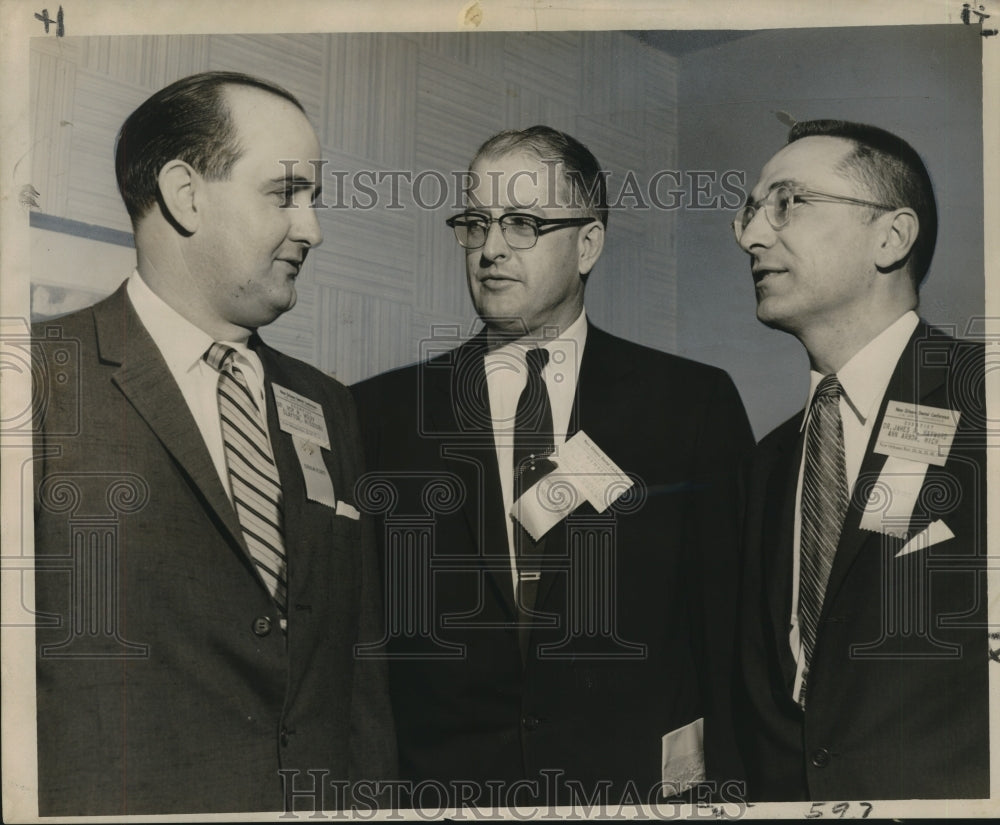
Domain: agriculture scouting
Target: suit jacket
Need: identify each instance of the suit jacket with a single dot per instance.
(635, 636)
(897, 701)
(164, 682)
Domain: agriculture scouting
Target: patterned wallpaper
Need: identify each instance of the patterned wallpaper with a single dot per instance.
(389, 276)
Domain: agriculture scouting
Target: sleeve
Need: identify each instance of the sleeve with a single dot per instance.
(373, 737)
(724, 441)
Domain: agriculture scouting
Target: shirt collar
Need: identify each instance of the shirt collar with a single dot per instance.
(181, 343)
(567, 348)
(864, 378)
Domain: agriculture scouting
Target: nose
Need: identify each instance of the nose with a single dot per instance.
(305, 227)
(496, 245)
(758, 232)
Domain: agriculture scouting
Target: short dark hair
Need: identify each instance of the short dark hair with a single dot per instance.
(188, 120)
(587, 182)
(892, 172)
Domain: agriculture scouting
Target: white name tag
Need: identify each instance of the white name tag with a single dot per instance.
(890, 505)
(583, 472)
(545, 504)
(319, 485)
(596, 476)
(299, 416)
(917, 433)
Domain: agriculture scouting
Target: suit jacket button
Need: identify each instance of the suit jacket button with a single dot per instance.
(529, 722)
(821, 758)
(284, 737)
(261, 625)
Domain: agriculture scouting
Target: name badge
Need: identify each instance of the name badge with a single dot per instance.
(594, 474)
(890, 505)
(917, 433)
(319, 485)
(300, 416)
(583, 472)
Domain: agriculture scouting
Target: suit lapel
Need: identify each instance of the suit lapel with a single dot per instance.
(600, 376)
(779, 465)
(909, 383)
(293, 494)
(145, 380)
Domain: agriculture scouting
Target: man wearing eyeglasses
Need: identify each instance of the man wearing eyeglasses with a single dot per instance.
(577, 578)
(863, 630)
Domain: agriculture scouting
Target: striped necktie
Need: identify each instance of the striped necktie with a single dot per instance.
(824, 503)
(253, 476)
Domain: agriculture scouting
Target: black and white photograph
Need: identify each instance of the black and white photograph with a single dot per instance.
(478, 410)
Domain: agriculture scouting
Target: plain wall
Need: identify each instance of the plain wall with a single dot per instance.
(922, 82)
(389, 273)
(671, 278)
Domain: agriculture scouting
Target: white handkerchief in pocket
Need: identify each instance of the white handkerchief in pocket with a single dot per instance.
(349, 510)
(683, 757)
(935, 532)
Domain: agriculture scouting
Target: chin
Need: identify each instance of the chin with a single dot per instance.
(505, 323)
(767, 316)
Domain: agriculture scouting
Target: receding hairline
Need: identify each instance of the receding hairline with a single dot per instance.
(843, 166)
(565, 183)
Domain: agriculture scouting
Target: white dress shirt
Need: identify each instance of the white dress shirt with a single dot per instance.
(506, 377)
(183, 346)
(864, 380)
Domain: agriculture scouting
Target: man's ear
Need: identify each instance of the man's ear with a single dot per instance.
(590, 242)
(178, 184)
(900, 229)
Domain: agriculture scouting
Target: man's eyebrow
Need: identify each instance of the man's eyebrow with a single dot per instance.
(297, 181)
(770, 189)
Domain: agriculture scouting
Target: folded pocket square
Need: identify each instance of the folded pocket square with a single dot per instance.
(349, 510)
(935, 532)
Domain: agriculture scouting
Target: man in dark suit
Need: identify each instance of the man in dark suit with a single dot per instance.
(574, 658)
(203, 577)
(864, 636)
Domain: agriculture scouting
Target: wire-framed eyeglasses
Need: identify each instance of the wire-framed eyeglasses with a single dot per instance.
(780, 202)
(520, 230)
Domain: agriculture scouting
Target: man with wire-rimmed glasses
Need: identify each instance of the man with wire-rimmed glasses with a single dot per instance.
(579, 590)
(863, 631)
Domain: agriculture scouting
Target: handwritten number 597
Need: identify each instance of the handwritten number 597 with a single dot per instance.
(838, 809)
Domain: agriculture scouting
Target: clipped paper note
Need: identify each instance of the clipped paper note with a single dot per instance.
(683, 757)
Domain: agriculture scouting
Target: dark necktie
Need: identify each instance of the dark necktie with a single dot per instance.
(253, 475)
(533, 444)
(824, 503)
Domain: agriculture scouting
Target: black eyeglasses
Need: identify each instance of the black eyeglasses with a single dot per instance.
(782, 199)
(520, 230)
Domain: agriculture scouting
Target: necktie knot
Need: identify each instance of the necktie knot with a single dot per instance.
(219, 356)
(536, 359)
(829, 388)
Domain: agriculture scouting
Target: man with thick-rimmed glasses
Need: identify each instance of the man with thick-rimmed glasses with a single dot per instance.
(863, 630)
(564, 613)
